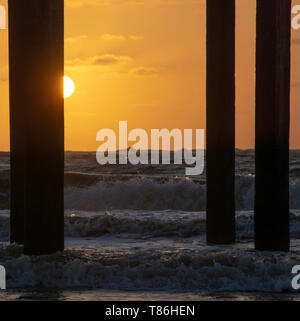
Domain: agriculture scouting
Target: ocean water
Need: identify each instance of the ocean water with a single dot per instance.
(138, 232)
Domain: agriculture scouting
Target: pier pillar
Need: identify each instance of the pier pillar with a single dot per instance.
(272, 124)
(36, 54)
(220, 121)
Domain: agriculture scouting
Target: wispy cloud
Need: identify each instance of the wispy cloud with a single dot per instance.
(110, 60)
(80, 3)
(136, 38)
(145, 71)
(72, 40)
(111, 37)
(114, 37)
(103, 60)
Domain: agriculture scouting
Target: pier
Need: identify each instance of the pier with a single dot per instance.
(36, 54)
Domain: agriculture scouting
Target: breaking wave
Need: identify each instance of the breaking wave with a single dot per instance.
(150, 194)
(149, 224)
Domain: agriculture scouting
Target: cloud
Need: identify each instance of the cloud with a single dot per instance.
(145, 71)
(109, 36)
(103, 60)
(136, 38)
(110, 60)
(71, 40)
(75, 4)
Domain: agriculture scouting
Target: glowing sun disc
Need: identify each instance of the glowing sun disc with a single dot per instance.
(69, 87)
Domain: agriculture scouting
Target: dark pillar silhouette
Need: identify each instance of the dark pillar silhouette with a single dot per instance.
(272, 125)
(220, 115)
(36, 46)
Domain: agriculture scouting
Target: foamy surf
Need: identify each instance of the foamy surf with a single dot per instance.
(142, 229)
(152, 250)
(196, 268)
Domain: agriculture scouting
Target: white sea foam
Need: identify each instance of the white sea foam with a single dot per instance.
(151, 250)
(205, 269)
(143, 228)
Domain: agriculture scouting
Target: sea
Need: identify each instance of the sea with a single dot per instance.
(138, 233)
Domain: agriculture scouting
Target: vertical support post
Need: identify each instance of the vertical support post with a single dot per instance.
(220, 121)
(272, 124)
(36, 46)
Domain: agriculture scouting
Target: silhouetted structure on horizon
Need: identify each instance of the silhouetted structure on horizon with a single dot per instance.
(36, 43)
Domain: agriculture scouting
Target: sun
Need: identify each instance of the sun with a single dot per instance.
(69, 87)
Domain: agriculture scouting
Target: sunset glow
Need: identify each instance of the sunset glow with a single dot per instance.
(144, 62)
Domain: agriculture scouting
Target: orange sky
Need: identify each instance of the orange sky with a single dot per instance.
(144, 61)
